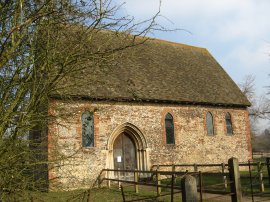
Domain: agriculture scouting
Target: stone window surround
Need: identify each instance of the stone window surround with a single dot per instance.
(96, 129)
(93, 122)
(168, 134)
(225, 125)
(163, 128)
(214, 124)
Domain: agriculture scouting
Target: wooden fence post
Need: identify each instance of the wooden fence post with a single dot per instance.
(268, 168)
(136, 180)
(195, 167)
(99, 181)
(158, 181)
(89, 196)
(123, 194)
(108, 177)
(173, 170)
(260, 174)
(189, 189)
(200, 185)
(224, 176)
(172, 187)
(118, 177)
(235, 179)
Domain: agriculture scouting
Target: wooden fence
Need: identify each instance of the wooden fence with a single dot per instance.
(187, 180)
(221, 169)
(256, 177)
(260, 154)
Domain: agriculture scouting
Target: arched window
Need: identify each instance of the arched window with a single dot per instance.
(87, 129)
(169, 126)
(209, 123)
(229, 123)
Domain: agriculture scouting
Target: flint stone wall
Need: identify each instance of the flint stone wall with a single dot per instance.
(79, 167)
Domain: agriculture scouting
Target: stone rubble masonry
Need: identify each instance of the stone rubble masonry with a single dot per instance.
(76, 167)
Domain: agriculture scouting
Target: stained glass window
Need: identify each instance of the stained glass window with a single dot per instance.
(209, 123)
(169, 129)
(229, 124)
(87, 129)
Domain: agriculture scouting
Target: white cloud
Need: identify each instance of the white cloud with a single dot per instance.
(235, 31)
(184, 8)
(250, 57)
(250, 22)
(228, 19)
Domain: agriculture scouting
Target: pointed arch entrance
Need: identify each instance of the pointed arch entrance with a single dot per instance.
(127, 148)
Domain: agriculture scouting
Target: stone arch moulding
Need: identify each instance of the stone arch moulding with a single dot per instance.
(142, 151)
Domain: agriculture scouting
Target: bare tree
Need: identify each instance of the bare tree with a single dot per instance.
(260, 105)
(247, 86)
(44, 42)
(259, 110)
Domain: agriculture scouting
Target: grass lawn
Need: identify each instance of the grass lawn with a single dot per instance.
(104, 195)
(147, 193)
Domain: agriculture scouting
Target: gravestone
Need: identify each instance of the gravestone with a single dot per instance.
(189, 189)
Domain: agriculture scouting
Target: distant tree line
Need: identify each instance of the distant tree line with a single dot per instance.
(259, 111)
(261, 142)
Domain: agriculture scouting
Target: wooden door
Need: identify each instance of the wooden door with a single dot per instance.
(124, 153)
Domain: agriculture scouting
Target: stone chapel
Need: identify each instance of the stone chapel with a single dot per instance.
(162, 103)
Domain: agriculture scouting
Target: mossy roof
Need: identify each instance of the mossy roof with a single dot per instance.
(160, 71)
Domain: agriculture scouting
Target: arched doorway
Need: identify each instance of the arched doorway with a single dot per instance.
(124, 153)
(128, 142)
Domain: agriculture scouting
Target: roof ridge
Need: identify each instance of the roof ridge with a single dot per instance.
(180, 44)
(187, 46)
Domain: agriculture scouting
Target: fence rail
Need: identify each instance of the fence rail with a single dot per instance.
(260, 154)
(258, 177)
(155, 177)
(206, 165)
(257, 166)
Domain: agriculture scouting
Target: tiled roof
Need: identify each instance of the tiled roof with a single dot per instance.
(159, 71)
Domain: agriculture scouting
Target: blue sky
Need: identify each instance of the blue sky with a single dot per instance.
(235, 32)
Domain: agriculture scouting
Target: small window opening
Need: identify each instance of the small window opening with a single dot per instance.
(87, 129)
(169, 129)
(229, 124)
(209, 123)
